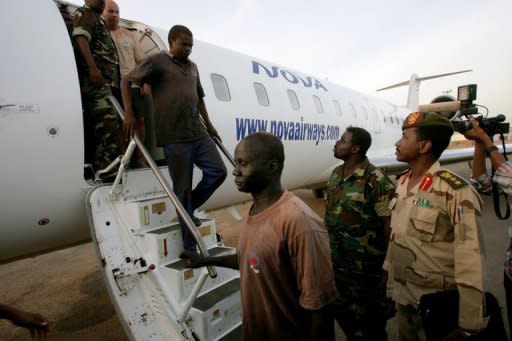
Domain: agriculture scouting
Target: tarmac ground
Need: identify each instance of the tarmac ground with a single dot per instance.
(66, 286)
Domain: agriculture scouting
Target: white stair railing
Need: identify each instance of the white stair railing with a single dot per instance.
(158, 174)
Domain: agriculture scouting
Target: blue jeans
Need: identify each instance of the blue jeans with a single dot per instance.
(181, 158)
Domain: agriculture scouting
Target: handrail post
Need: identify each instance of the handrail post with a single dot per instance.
(124, 161)
(193, 294)
(224, 150)
(167, 188)
(219, 144)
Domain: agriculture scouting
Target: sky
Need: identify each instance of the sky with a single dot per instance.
(363, 45)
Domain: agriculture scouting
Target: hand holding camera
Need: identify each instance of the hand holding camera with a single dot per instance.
(466, 94)
(475, 132)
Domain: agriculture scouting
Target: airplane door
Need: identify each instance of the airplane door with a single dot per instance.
(41, 134)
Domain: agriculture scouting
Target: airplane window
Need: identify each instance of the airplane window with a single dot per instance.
(376, 115)
(353, 110)
(337, 107)
(365, 113)
(397, 120)
(318, 104)
(385, 121)
(261, 94)
(294, 101)
(391, 119)
(220, 87)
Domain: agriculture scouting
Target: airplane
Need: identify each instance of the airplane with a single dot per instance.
(42, 134)
(44, 194)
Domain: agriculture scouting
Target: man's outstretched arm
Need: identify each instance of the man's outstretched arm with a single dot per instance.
(35, 323)
(195, 260)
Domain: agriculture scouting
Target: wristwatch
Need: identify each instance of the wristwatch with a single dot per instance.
(490, 149)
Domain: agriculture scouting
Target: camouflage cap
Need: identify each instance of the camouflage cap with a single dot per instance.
(425, 119)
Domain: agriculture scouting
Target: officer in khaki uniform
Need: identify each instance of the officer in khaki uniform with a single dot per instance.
(434, 244)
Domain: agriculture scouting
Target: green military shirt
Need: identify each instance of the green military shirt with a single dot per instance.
(89, 24)
(353, 207)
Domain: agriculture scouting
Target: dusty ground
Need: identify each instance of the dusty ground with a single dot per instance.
(66, 286)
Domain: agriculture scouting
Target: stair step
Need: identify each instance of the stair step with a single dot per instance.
(167, 241)
(214, 251)
(165, 229)
(217, 312)
(234, 335)
(181, 278)
(152, 213)
(208, 300)
(148, 196)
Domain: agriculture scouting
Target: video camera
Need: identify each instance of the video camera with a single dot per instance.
(466, 94)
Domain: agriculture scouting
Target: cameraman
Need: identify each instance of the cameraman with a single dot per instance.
(503, 178)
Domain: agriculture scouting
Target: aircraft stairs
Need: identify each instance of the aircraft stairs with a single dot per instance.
(138, 241)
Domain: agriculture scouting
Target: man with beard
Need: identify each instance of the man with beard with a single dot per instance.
(98, 70)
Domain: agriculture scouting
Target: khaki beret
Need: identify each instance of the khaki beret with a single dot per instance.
(425, 119)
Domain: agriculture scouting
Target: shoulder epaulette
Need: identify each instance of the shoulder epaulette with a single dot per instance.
(452, 179)
(401, 173)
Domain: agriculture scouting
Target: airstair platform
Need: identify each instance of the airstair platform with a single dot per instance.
(156, 296)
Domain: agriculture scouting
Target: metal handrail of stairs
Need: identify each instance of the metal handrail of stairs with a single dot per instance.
(137, 142)
(219, 144)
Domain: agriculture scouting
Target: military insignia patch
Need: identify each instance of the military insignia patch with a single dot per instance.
(399, 175)
(422, 203)
(425, 184)
(453, 180)
(412, 118)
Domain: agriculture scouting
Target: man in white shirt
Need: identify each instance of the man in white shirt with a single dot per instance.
(130, 54)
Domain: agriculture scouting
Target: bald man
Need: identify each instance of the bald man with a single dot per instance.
(130, 54)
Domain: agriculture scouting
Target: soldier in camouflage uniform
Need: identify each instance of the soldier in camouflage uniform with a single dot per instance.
(434, 244)
(98, 69)
(357, 217)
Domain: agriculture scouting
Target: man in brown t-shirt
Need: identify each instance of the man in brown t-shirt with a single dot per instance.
(286, 275)
(178, 101)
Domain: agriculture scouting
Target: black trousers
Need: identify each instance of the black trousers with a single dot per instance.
(507, 283)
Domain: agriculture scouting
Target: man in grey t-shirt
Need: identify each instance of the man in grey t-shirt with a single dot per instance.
(178, 101)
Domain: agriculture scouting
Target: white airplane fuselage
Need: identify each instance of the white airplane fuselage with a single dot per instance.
(42, 201)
